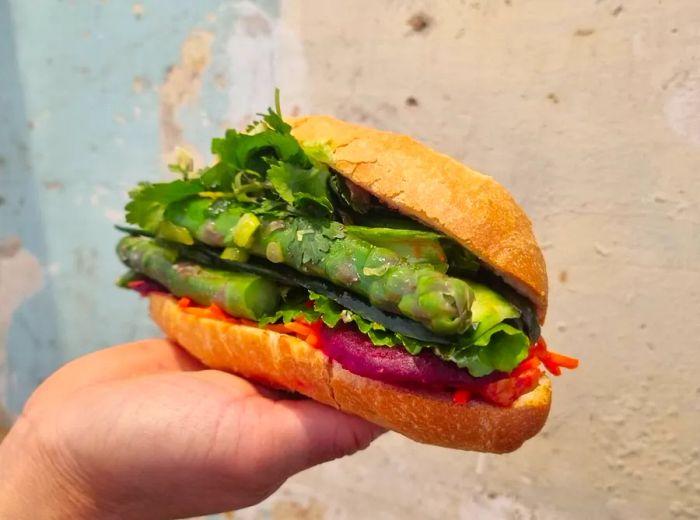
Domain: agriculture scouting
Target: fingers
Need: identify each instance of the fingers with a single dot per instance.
(123, 361)
(310, 433)
(292, 435)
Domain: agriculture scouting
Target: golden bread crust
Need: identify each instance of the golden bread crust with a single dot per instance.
(286, 362)
(444, 194)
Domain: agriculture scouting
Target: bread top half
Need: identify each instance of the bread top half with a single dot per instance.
(439, 191)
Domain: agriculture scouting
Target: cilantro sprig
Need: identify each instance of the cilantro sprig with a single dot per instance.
(264, 166)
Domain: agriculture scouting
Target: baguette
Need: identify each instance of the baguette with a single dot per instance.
(286, 362)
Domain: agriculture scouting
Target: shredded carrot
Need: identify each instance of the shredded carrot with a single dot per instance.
(552, 367)
(247, 323)
(529, 363)
(563, 361)
(303, 330)
(184, 302)
(552, 361)
(198, 311)
(217, 313)
(539, 348)
(461, 397)
(278, 327)
(309, 332)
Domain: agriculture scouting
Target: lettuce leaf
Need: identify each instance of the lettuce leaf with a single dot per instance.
(502, 347)
(489, 309)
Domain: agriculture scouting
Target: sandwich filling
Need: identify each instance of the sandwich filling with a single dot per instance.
(272, 235)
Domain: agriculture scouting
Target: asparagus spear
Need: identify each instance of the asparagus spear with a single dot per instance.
(240, 294)
(322, 248)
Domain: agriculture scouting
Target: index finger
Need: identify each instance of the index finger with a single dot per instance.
(119, 362)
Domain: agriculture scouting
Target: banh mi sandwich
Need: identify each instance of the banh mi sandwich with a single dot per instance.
(357, 267)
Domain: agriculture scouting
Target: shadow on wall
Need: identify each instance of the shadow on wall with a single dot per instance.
(27, 325)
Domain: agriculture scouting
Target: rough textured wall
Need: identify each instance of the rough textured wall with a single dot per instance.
(588, 111)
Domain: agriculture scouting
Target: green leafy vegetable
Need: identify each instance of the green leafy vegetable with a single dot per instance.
(184, 163)
(504, 347)
(318, 152)
(489, 309)
(294, 306)
(311, 242)
(148, 201)
(303, 188)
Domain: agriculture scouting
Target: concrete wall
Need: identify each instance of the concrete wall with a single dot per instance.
(588, 111)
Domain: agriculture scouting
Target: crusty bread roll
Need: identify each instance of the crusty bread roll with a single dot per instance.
(442, 193)
(286, 362)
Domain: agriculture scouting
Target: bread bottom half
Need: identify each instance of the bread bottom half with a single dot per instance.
(286, 362)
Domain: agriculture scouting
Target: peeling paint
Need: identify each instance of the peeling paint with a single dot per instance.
(115, 216)
(139, 84)
(137, 9)
(182, 85)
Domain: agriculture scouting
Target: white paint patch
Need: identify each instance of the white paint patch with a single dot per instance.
(682, 109)
(97, 196)
(115, 216)
(20, 277)
(640, 49)
(263, 54)
(182, 86)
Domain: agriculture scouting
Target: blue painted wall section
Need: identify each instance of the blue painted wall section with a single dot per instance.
(92, 95)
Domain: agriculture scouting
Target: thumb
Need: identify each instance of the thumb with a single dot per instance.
(313, 433)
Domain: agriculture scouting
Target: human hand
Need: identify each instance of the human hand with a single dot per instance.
(143, 430)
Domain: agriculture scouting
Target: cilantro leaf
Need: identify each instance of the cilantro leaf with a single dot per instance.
(239, 152)
(148, 201)
(273, 119)
(304, 188)
(312, 240)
